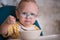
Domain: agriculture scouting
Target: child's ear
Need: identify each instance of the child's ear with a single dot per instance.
(17, 14)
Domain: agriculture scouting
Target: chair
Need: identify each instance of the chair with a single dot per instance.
(5, 12)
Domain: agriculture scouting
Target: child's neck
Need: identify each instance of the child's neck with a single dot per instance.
(27, 26)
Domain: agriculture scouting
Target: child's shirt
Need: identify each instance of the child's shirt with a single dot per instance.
(22, 28)
(14, 30)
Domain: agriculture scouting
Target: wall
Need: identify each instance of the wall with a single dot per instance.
(49, 18)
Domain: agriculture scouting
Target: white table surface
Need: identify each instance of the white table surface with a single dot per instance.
(49, 37)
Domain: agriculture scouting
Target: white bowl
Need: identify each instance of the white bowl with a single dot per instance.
(30, 34)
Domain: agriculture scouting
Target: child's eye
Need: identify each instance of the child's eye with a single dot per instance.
(32, 14)
(24, 13)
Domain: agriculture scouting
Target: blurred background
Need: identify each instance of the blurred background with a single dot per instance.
(49, 18)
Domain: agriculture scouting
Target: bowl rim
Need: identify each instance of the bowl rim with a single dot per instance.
(31, 31)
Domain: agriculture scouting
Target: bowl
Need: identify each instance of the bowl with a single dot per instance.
(30, 34)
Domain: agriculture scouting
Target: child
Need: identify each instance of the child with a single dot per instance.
(27, 12)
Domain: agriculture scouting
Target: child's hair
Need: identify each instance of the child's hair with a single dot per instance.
(29, 1)
(21, 3)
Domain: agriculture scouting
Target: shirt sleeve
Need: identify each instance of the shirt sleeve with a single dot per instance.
(36, 28)
(12, 31)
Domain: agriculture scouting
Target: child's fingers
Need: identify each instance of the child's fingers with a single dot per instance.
(11, 20)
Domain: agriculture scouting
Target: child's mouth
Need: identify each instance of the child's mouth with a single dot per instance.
(27, 21)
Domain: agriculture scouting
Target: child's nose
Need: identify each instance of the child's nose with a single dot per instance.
(28, 16)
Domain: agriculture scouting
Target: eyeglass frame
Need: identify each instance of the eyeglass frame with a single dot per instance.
(26, 14)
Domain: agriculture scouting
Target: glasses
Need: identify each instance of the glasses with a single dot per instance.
(25, 14)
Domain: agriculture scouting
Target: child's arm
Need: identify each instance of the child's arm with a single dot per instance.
(4, 27)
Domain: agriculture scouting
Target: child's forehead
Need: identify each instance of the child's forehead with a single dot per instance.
(23, 4)
(28, 7)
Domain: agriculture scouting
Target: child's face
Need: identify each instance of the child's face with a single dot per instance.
(28, 14)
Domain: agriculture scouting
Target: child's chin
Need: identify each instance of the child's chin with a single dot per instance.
(27, 24)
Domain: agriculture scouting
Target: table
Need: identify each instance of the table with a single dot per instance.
(49, 37)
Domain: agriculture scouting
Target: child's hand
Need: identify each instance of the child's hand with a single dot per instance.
(5, 26)
(11, 20)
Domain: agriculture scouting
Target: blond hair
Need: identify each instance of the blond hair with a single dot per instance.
(21, 3)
